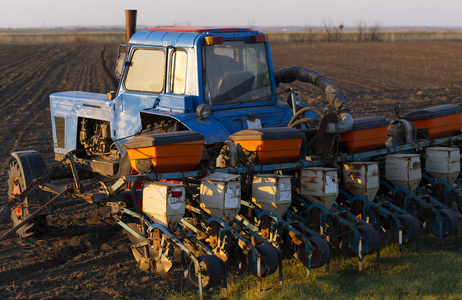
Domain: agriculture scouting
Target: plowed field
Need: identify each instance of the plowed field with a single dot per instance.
(85, 255)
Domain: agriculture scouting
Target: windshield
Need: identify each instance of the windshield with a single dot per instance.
(236, 72)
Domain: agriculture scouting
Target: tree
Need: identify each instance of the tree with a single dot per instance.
(328, 29)
(333, 33)
(375, 32)
(361, 26)
(338, 32)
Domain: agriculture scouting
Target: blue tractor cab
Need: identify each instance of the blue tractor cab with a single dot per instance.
(215, 81)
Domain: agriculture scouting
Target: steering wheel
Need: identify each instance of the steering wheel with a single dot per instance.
(299, 119)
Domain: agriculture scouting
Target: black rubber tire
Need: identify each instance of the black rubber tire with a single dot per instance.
(450, 223)
(212, 273)
(269, 262)
(411, 229)
(38, 224)
(371, 240)
(320, 255)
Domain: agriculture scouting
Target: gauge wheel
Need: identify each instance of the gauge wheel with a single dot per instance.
(269, 260)
(450, 223)
(411, 229)
(211, 271)
(320, 253)
(370, 241)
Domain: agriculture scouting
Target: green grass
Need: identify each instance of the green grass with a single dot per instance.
(430, 274)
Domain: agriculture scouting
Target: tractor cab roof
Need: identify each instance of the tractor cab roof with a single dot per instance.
(187, 36)
(200, 29)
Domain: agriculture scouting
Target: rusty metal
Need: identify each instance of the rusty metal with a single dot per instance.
(320, 185)
(272, 192)
(265, 225)
(315, 218)
(144, 263)
(156, 240)
(325, 141)
(36, 213)
(403, 170)
(443, 163)
(130, 23)
(212, 232)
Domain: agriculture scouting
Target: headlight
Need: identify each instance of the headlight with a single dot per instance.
(203, 111)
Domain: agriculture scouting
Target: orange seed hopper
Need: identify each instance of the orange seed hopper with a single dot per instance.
(439, 121)
(367, 134)
(168, 152)
(274, 145)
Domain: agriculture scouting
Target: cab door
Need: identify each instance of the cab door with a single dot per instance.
(143, 81)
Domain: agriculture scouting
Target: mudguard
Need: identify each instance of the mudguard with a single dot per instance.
(32, 164)
(212, 130)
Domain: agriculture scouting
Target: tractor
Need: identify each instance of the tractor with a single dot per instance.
(203, 166)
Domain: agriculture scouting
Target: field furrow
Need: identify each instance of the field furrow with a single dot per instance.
(85, 255)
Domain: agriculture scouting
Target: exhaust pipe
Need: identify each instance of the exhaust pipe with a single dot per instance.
(130, 23)
(333, 95)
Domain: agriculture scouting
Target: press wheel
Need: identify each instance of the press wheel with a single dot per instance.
(269, 260)
(211, 271)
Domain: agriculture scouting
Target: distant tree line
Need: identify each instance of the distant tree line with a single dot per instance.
(364, 33)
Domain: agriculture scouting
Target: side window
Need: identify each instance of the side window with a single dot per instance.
(178, 72)
(147, 71)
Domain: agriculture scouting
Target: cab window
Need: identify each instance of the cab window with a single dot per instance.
(236, 72)
(178, 72)
(146, 71)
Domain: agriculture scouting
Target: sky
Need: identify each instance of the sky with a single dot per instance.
(85, 13)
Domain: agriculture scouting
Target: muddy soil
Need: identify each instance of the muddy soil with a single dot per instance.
(84, 254)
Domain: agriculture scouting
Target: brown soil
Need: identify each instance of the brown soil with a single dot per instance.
(84, 254)
(378, 76)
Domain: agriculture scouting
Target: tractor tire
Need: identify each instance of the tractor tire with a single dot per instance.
(269, 261)
(450, 223)
(411, 229)
(17, 182)
(211, 270)
(370, 242)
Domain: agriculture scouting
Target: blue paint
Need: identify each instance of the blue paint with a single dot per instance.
(126, 111)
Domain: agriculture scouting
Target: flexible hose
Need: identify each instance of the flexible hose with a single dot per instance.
(333, 95)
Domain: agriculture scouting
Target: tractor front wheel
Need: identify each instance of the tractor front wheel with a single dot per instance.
(17, 183)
